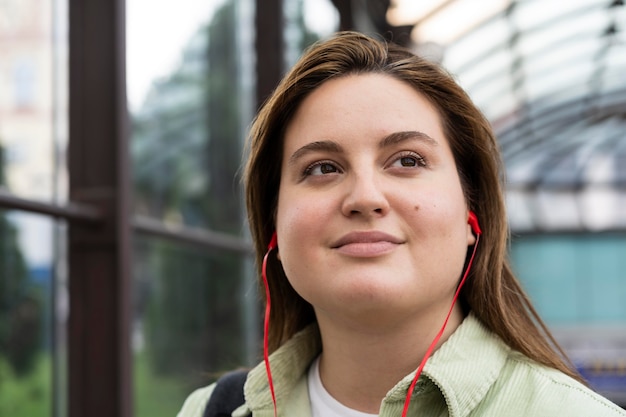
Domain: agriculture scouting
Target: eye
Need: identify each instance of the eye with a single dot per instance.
(409, 160)
(321, 168)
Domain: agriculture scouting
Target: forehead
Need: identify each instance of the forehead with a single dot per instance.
(364, 104)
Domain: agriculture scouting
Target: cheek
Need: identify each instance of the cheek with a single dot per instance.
(295, 228)
(301, 210)
(298, 223)
(439, 211)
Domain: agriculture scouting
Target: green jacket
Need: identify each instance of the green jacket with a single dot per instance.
(472, 374)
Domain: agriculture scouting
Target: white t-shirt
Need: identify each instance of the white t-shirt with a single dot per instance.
(322, 403)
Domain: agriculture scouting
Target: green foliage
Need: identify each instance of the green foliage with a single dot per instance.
(20, 304)
(186, 149)
(156, 395)
(26, 394)
(187, 136)
(23, 336)
(193, 299)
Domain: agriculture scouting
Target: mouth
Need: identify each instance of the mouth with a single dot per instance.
(366, 244)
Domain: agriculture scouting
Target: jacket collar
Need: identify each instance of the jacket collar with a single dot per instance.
(288, 365)
(462, 369)
(465, 367)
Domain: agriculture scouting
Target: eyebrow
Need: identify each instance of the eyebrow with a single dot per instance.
(399, 137)
(387, 141)
(317, 146)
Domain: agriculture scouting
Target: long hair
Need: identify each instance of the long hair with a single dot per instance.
(492, 292)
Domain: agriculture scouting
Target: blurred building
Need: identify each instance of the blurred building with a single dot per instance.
(27, 118)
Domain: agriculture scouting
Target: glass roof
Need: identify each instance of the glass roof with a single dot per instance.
(551, 77)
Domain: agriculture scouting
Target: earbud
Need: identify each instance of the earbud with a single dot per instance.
(273, 242)
(473, 222)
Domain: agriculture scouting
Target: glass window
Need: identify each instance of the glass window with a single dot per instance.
(497, 64)
(529, 15)
(567, 53)
(195, 311)
(33, 315)
(33, 91)
(33, 138)
(189, 106)
(306, 21)
(447, 24)
(616, 64)
(195, 316)
(474, 46)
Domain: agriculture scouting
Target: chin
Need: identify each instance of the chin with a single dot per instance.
(368, 294)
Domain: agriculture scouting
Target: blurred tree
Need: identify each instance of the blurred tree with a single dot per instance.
(20, 304)
(187, 147)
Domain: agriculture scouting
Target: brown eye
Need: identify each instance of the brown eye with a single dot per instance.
(321, 168)
(408, 161)
(327, 168)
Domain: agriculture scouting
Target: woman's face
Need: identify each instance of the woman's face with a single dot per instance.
(371, 217)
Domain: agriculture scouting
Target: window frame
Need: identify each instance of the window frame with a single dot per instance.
(98, 214)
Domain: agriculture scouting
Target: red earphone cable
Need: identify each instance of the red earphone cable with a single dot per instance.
(409, 394)
(266, 325)
(407, 401)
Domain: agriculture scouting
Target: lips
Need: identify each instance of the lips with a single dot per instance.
(366, 244)
(366, 237)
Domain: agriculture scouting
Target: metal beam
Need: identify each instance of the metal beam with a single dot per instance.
(69, 211)
(270, 47)
(191, 235)
(99, 258)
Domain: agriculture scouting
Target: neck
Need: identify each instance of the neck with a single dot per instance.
(360, 363)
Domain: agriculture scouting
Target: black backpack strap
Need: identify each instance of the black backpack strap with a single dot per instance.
(227, 394)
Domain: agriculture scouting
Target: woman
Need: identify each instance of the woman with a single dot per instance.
(369, 171)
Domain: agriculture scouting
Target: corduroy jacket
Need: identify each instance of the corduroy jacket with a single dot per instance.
(473, 373)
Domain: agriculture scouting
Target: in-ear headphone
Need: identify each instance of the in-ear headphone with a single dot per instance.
(473, 222)
(273, 242)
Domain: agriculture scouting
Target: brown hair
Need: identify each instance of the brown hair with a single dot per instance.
(492, 292)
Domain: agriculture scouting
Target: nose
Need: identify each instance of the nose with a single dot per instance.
(365, 196)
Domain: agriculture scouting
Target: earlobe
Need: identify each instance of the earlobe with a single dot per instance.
(471, 237)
